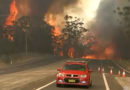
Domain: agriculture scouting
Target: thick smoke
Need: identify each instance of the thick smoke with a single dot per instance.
(109, 29)
(4, 10)
(105, 22)
(34, 8)
(40, 7)
(106, 25)
(59, 6)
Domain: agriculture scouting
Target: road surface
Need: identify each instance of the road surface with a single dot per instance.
(97, 77)
(41, 75)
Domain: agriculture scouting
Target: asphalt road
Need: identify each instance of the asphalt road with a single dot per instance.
(33, 63)
(48, 69)
(97, 77)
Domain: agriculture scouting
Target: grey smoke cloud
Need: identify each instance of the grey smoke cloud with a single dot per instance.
(105, 22)
(40, 7)
(108, 28)
(4, 10)
(36, 7)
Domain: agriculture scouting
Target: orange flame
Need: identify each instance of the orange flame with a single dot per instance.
(13, 14)
(109, 51)
(106, 53)
(10, 37)
(56, 32)
(90, 57)
(52, 21)
(94, 57)
(71, 52)
(100, 50)
(61, 53)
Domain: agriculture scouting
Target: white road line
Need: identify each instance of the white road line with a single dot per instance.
(46, 85)
(105, 81)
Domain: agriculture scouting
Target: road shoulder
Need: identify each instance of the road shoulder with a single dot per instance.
(124, 82)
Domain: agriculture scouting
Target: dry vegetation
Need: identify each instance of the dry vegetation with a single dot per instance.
(20, 58)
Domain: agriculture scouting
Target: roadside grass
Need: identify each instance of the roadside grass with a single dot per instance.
(5, 59)
(13, 59)
(2, 64)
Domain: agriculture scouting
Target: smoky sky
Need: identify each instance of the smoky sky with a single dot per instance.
(4, 7)
(109, 29)
(105, 23)
(59, 5)
(4, 10)
(38, 8)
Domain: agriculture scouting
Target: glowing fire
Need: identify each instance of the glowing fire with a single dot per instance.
(56, 32)
(61, 53)
(90, 57)
(52, 21)
(13, 14)
(71, 52)
(109, 51)
(10, 37)
(101, 53)
(100, 50)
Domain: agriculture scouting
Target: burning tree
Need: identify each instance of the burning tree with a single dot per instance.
(30, 37)
(16, 32)
(13, 14)
(6, 45)
(27, 37)
(71, 35)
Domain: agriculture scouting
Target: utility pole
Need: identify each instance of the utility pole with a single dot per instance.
(26, 43)
(26, 39)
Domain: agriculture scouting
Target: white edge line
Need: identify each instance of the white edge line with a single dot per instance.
(105, 81)
(46, 85)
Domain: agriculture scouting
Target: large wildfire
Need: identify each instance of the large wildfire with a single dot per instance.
(18, 8)
(101, 49)
(102, 52)
(11, 19)
(13, 14)
(55, 32)
(104, 47)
